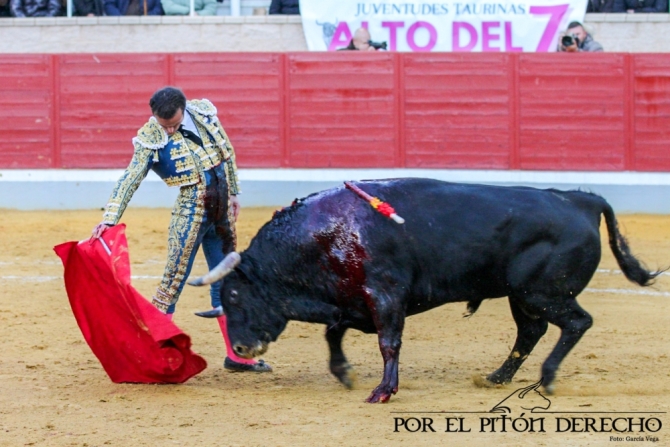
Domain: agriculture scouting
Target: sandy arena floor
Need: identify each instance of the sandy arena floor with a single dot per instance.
(54, 392)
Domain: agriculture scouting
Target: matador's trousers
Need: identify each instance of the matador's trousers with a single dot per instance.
(202, 215)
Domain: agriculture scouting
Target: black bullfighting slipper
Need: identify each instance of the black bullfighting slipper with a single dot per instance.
(234, 366)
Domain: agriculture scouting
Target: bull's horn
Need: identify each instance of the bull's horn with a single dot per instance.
(213, 313)
(226, 266)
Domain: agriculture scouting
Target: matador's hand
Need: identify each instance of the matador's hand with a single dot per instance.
(98, 230)
(235, 204)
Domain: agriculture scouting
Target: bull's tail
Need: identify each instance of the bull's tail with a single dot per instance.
(629, 264)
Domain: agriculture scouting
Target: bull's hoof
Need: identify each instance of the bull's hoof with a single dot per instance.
(345, 374)
(550, 389)
(499, 378)
(484, 382)
(380, 395)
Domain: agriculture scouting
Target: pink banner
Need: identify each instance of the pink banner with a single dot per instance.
(417, 26)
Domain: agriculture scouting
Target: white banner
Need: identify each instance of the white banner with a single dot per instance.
(419, 25)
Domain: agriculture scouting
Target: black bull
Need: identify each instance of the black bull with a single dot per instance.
(332, 259)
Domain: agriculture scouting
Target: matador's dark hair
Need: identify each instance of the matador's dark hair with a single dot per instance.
(167, 101)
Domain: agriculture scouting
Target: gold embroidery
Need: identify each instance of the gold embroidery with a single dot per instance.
(151, 135)
(183, 180)
(187, 217)
(161, 300)
(190, 154)
(180, 149)
(204, 158)
(231, 175)
(184, 165)
(215, 136)
(202, 107)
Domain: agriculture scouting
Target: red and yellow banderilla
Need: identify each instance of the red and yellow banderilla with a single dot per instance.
(383, 207)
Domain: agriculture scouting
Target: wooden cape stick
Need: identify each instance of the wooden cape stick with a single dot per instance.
(383, 207)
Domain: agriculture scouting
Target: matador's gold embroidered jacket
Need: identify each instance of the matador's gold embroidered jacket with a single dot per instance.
(175, 159)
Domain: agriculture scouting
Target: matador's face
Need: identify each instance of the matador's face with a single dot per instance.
(171, 125)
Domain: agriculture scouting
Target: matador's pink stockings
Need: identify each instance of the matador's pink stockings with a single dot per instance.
(229, 348)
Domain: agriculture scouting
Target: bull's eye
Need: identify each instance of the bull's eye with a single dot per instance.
(233, 296)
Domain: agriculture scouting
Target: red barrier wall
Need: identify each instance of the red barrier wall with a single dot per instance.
(603, 112)
(27, 112)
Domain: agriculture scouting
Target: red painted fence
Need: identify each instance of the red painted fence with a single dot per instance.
(604, 112)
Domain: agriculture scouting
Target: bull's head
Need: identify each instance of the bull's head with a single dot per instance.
(253, 320)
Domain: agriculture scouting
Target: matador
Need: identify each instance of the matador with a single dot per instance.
(185, 144)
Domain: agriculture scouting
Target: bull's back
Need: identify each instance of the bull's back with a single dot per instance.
(462, 242)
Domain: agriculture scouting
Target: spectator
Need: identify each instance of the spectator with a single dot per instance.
(87, 8)
(133, 8)
(285, 7)
(600, 6)
(34, 8)
(183, 7)
(577, 39)
(362, 42)
(640, 5)
(4, 8)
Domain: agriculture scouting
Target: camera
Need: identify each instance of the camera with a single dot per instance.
(569, 40)
(377, 45)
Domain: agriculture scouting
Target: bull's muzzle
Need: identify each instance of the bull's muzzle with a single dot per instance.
(248, 352)
(226, 266)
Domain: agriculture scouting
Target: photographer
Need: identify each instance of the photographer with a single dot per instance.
(362, 42)
(577, 39)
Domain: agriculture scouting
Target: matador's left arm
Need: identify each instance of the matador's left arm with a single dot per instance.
(127, 185)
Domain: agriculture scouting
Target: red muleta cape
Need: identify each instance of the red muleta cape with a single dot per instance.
(131, 338)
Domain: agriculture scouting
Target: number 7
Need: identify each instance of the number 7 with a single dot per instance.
(557, 12)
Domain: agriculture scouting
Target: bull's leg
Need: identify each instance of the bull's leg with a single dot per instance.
(529, 331)
(339, 365)
(390, 323)
(573, 322)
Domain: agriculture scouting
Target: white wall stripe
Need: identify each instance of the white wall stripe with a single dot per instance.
(338, 175)
(628, 291)
(619, 272)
